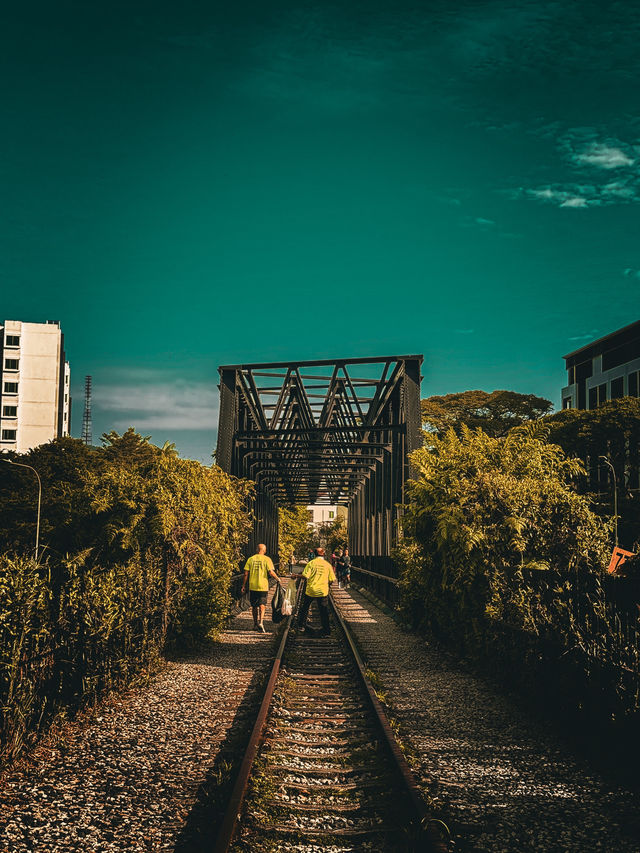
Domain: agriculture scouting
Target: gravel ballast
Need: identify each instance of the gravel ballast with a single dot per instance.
(126, 776)
(499, 778)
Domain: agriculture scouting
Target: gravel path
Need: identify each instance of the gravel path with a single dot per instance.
(499, 779)
(126, 777)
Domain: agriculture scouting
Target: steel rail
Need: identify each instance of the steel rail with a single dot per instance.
(227, 830)
(226, 835)
(436, 845)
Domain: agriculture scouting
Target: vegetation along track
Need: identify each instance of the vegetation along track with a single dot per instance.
(322, 771)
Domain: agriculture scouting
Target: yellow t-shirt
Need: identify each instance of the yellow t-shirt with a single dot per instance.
(318, 573)
(258, 567)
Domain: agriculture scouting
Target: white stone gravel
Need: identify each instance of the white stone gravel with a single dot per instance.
(125, 777)
(499, 778)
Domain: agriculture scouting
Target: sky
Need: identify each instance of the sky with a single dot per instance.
(186, 185)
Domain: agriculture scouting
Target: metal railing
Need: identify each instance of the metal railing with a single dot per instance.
(382, 586)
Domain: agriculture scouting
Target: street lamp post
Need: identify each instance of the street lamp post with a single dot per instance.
(615, 495)
(31, 468)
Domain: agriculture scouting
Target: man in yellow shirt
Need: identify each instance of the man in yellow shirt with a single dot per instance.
(319, 574)
(257, 570)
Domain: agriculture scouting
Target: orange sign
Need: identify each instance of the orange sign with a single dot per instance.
(618, 557)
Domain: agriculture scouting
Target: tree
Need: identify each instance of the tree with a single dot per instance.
(613, 431)
(295, 535)
(482, 513)
(332, 534)
(503, 558)
(495, 413)
(138, 549)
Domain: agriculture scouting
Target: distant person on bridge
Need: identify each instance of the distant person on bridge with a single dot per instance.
(344, 569)
(257, 570)
(319, 574)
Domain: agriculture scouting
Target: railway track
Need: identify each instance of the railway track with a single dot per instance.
(322, 771)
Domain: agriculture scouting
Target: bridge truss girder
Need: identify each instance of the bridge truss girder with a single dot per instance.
(311, 432)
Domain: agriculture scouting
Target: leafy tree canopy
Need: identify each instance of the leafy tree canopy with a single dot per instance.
(495, 412)
(295, 536)
(608, 430)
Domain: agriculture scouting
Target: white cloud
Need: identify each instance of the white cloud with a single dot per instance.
(574, 201)
(588, 336)
(584, 151)
(464, 331)
(603, 156)
(568, 196)
(485, 222)
(159, 403)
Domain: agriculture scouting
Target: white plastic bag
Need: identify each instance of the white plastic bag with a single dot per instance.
(286, 608)
(289, 598)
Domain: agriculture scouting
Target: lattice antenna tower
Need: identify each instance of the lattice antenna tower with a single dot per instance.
(87, 437)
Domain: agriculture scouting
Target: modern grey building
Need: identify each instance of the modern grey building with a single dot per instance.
(603, 370)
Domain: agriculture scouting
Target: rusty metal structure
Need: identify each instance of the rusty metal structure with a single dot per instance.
(330, 431)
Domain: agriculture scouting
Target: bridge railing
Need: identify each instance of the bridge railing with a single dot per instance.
(382, 586)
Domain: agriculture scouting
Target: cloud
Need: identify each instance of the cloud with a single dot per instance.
(464, 331)
(485, 222)
(562, 196)
(593, 157)
(603, 157)
(152, 402)
(575, 201)
(588, 336)
(630, 272)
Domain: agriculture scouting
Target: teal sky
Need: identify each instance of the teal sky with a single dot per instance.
(192, 184)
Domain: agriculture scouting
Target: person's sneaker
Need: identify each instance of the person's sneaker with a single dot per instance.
(261, 628)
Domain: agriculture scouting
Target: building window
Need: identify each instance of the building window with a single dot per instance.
(598, 396)
(566, 403)
(12, 341)
(617, 388)
(11, 363)
(633, 384)
(8, 434)
(9, 411)
(331, 513)
(10, 387)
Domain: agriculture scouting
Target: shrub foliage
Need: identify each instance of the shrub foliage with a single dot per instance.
(503, 558)
(138, 547)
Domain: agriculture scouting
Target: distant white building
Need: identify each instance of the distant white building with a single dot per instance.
(35, 400)
(320, 513)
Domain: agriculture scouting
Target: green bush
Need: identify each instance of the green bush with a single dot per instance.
(139, 547)
(503, 559)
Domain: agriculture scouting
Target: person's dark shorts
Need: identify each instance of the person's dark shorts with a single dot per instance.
(256, 598)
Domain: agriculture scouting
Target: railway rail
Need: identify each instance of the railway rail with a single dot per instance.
(322, 769)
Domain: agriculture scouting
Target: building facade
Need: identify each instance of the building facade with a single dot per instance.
(321, 514)
(603, 370)
(35, 397)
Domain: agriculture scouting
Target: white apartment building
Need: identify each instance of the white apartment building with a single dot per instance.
(35, 399)
(319, 513)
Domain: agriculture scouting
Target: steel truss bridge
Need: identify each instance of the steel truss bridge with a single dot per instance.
(324, 432)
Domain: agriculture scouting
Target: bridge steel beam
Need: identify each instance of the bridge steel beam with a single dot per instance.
(311, 432)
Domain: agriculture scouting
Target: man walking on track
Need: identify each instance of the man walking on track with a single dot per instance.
(319, 574)
(257, 570)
